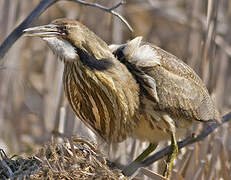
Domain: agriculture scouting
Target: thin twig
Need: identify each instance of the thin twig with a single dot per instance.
(109, 10)
(39, 9)
(98, 5)
(189, 140)
(18, 31)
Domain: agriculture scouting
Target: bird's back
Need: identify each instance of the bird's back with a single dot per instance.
(168, 86)
(180, 89)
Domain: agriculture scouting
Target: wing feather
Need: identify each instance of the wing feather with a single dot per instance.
(179, 90)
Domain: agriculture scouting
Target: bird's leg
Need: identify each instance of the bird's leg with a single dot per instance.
(173, 147)
(129, 169)
(146, 152)
(171, 156)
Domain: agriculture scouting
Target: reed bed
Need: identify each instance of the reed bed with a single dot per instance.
(33, 106)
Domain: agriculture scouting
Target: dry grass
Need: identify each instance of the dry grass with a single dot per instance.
(32, 104)
(78, 159)
(75, 158)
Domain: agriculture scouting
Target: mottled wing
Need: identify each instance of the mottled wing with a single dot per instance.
(180, 91)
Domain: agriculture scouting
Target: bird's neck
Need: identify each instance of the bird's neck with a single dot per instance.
(99, 49)
(90, 43)
(99, 74)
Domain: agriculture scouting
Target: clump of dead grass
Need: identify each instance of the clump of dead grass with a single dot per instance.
(74, 158)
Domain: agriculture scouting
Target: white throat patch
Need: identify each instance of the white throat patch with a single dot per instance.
(61, 48)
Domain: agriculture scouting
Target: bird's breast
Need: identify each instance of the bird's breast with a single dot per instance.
(96, 100)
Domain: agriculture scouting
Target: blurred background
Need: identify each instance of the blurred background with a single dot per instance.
(32, 103)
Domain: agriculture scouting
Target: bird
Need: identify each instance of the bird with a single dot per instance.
(134, 89)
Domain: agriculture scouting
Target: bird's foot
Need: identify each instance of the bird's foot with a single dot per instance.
(171, 156)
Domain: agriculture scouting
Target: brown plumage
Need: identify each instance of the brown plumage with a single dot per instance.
(100, 89)
(168, 87)
(135, 89)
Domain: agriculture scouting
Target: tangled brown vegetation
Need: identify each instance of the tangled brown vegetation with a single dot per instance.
(61, 159)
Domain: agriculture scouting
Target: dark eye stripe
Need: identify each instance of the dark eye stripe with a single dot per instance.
(63, 30)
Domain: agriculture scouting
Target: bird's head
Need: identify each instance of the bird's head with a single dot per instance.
(68, 38)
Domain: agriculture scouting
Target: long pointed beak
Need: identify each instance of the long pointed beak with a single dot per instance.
(49, 30)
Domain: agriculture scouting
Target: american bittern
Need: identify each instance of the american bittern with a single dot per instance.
(138, 90)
